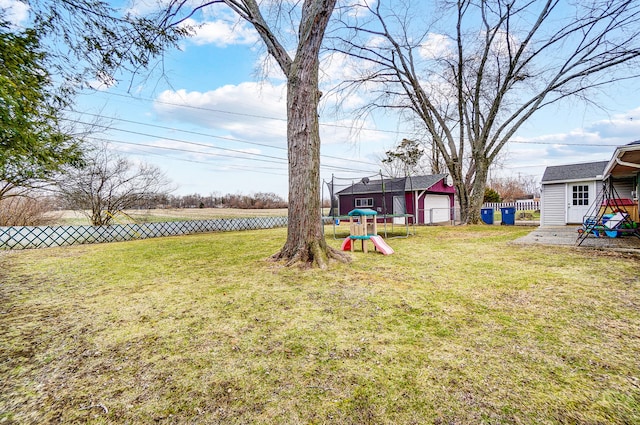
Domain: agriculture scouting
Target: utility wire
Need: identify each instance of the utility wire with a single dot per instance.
(284, 161)
(231, 139)
(233, 167)
(241, 114)
(322, 124)
(139, 133)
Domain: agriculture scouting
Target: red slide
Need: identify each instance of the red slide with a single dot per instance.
(346, 244)
(381, 245)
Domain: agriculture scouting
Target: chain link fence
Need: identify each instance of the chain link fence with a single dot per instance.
(26, 237)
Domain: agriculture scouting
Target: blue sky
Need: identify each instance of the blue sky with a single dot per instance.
(214, 125)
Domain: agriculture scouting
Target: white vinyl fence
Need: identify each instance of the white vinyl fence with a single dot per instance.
(23, 237)
(519, 205)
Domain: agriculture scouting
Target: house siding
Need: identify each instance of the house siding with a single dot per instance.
(554, 202)
(380, 203)
(413, 189)
(624, 188)
(553, 205)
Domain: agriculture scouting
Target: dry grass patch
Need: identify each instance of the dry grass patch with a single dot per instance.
(458, 326)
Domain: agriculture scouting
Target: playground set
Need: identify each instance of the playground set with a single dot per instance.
(401, 203)
(390, 190)
(610, 216)
(361, 229)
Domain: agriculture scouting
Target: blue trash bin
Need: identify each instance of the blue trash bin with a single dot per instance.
(487, 215)
(508, 215)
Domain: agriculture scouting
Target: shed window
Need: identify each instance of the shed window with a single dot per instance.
(364, 202)
(581, 195)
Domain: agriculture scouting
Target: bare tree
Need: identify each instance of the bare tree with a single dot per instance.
(32, 209)
(305, 239)
(94, 33)
(484, 67)
(405, 160)
(511, 189)
(108, 184)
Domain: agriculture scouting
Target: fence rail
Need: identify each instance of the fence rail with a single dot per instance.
(519, 205)
(25, 237)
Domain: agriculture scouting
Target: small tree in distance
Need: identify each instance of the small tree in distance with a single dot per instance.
(109, 184)
(490, 195)
(405, 160)
(512, 189)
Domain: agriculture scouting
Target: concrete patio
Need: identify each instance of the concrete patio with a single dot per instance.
(568, 236)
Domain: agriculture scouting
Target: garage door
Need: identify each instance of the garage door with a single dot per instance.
(436, 209)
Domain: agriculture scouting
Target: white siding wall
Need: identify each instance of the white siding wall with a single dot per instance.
(553, 205)
(624, 188)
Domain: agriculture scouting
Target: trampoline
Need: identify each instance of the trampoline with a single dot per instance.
(384, 194)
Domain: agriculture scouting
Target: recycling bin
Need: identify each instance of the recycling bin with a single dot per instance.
(508, 216)
(486, 214)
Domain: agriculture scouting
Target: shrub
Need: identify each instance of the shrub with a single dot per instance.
(25, 211)
(490, 195)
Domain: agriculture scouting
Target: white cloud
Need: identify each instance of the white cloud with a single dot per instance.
(250, 111)
(504, 44)
(222, 33)
(218, 25)
(435, 46)
(623, 128)
(359, 8)
(595, 141)
(337, 67)
(145, 7)
(268, 68)
(16, 12)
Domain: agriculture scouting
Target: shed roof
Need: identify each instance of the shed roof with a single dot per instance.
(400, 184)
(586, 171)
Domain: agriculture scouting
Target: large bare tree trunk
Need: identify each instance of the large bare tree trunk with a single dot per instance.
(305, 237)
(476, 197)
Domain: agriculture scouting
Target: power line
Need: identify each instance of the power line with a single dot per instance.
(139, 133)
(128, 96)
(241, 114)
(197, 152)
(234, 167)
(198, 134)
(561, 143)
(330, 167)
(284, 120)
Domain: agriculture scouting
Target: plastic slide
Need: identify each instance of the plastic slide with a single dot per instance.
(381, 245)
(346, 244)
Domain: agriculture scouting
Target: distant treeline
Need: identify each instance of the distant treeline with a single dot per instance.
(260, 200)
(32, 210)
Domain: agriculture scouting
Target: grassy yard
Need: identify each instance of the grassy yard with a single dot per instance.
(457, 327)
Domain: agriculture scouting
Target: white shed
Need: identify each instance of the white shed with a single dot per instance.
(569, 191)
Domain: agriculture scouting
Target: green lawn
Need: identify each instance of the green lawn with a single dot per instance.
(457, 327)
